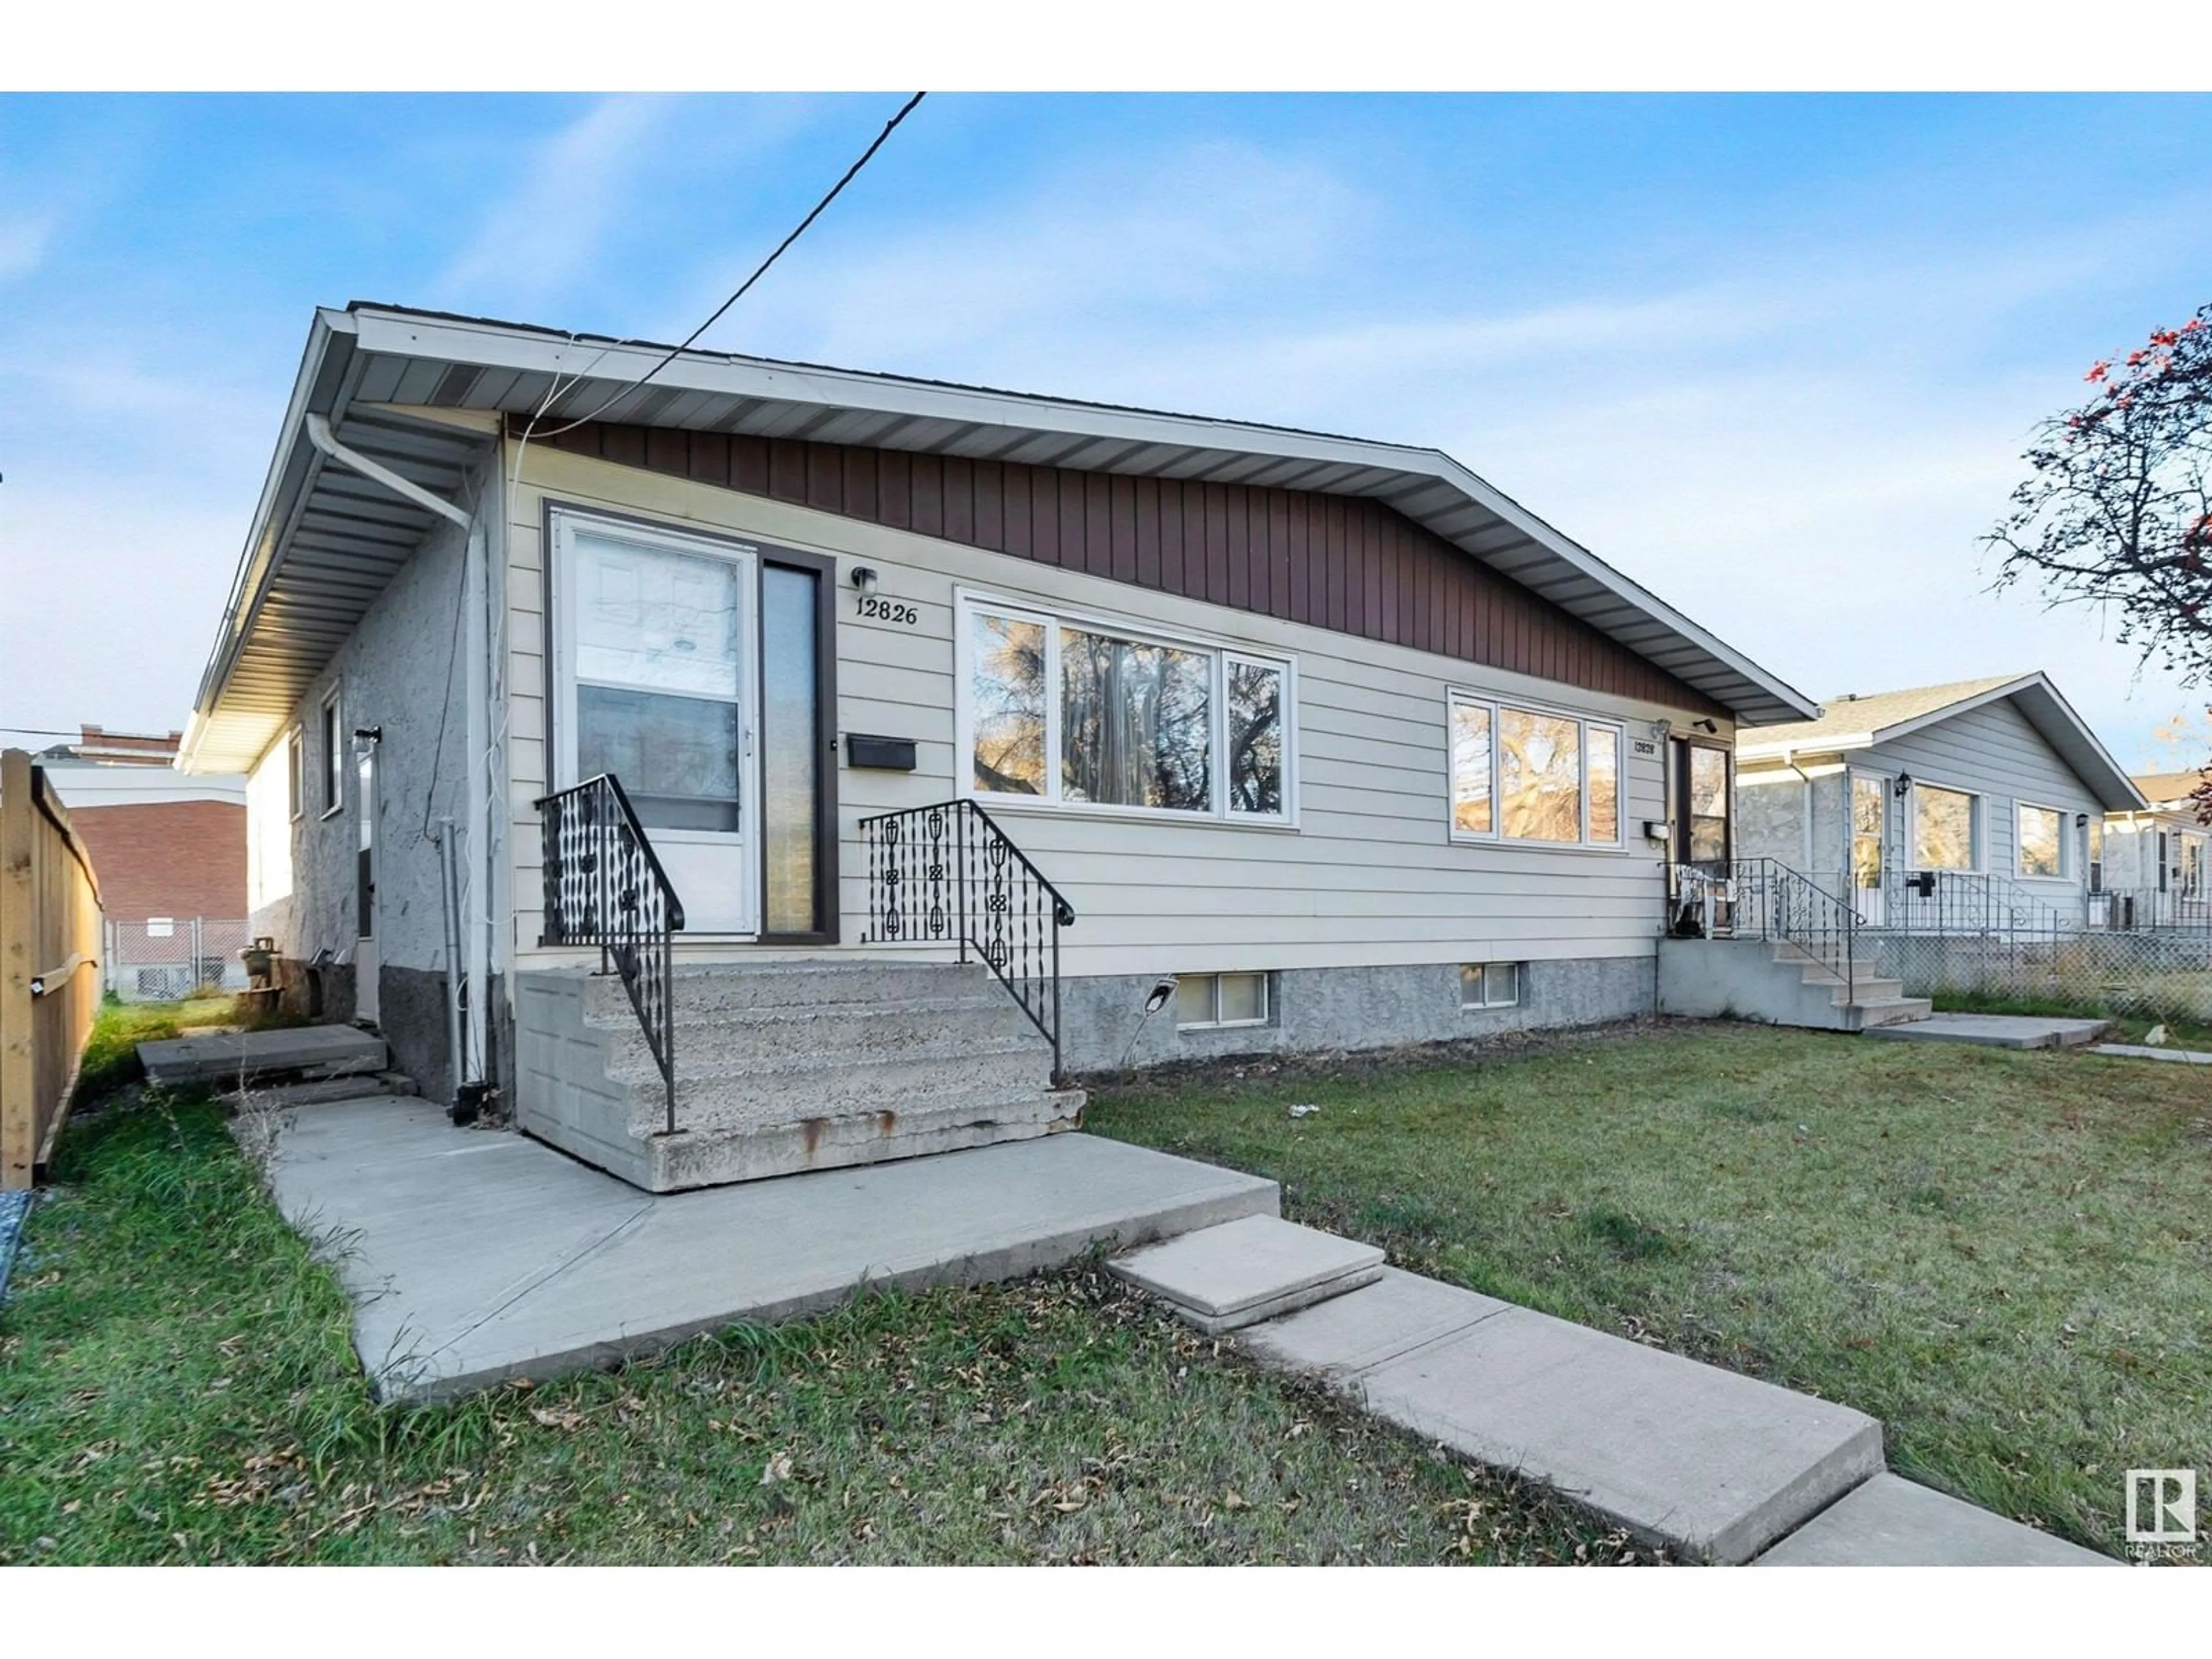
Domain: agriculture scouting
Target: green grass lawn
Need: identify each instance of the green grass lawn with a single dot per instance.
(2006, 1256)
(176, 1386)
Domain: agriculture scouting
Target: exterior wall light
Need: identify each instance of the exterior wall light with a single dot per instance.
(1904, 784)
(864, 578)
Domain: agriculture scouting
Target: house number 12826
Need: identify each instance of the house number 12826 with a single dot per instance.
(889, 610)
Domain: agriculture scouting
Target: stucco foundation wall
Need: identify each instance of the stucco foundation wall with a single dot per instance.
(1770, 819)
(1317, 1009)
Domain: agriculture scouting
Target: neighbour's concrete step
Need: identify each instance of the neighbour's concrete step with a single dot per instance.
(1713, 1465)
(1889, 1011)
(1999, 1031)
(1225, 1278)
(1892, 1522)
(705, 990)
(246, 1057)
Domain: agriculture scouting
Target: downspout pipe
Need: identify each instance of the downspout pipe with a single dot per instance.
(469, 1074)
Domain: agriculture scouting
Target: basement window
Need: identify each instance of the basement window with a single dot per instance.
(1210, 1001)
(1490, 985)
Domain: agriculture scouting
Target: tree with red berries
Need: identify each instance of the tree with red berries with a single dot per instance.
(2117, 509)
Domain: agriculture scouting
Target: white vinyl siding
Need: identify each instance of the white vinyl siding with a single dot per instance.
(1364, 880)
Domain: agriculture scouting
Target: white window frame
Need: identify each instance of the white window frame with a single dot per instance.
(332, 733)
(1488, 1003)
(968, 603)
(296, 772)
(1458, 696)
(2068, 870)
(1978, 833)
(1218, 1024)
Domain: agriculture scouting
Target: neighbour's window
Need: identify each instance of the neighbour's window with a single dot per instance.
(1519, 775)
(295, 772)
(1095, 716)
(1708, 804)
(2096, 855)
(1490, 985)
(1210, 999)
(333, 757)
(1870, 806)
(2042, 841)
(1942, 828)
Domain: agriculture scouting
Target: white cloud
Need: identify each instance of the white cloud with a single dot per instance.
(23, 244)
(552, 228)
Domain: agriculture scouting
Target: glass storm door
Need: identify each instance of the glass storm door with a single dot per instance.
(660, 690)
(1870, 840)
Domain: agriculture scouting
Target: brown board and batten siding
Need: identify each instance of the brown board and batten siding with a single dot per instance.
(1348, 563)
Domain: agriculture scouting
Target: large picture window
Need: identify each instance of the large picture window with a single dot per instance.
(1526, 774)
(1943, 830)
(1089, 714)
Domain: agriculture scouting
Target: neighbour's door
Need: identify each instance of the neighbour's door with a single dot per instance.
(1869, 844)
(659, 686)
(365, 961)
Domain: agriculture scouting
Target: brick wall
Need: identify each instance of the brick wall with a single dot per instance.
(174, 859)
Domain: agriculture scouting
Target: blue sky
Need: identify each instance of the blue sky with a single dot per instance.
(1775, 357)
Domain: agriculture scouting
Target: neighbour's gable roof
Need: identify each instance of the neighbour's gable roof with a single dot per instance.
(2167, 788)
(366, 366)
(1861, 721)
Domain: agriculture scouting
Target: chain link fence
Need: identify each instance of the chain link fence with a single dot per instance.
(2163, 973)
(167, 958)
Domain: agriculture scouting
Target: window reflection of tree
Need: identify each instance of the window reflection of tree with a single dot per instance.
(1009, 705)
(1255, 739)
(1136, 723)
(1540, 777)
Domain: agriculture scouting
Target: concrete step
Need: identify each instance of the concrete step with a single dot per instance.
(711, 989)
(1225, 1278)
(1868, 990)
(1713, 1465)
(1889, 1011)
(757, 1039)
(246, 1057)
(1890, 1521)
(707, 1154)
(800, 1091)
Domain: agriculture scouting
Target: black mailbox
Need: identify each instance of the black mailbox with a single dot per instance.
(880, 754)
(1921, 882)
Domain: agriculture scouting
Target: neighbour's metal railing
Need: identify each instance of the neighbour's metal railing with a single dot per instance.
(1765, 899)
(604, 886)
(948, 874)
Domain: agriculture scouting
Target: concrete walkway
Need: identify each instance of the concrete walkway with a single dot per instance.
(1996, 1030)
(473, 1257)
(2141, 1051)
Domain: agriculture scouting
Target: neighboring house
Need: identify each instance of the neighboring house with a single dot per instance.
(170, 849)
(1353, 749)
(2151, 862)
(1937, 807)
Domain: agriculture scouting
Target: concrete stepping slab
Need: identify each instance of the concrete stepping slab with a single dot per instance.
(1712, 1465)
(1891, 1521)
(1223, 1278)
(314, 1051)
(1342, 1338)
(1995, 1031)
(2139, 1051)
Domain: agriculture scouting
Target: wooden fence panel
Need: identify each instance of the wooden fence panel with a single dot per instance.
(50, 934)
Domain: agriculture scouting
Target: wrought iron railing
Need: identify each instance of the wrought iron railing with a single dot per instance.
(605, 887)
(1765, 899)
(948, 874)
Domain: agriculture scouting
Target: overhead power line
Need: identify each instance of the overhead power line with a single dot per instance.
(759, 271)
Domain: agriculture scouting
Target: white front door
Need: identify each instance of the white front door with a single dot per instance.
(1870, 846)
(657, 683)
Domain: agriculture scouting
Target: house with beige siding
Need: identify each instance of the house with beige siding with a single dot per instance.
(723, 766)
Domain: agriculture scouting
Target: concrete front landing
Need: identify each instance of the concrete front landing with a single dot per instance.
(473, 1257)
(1996, 1030)
(1714, 1465)
(1892, 1522)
